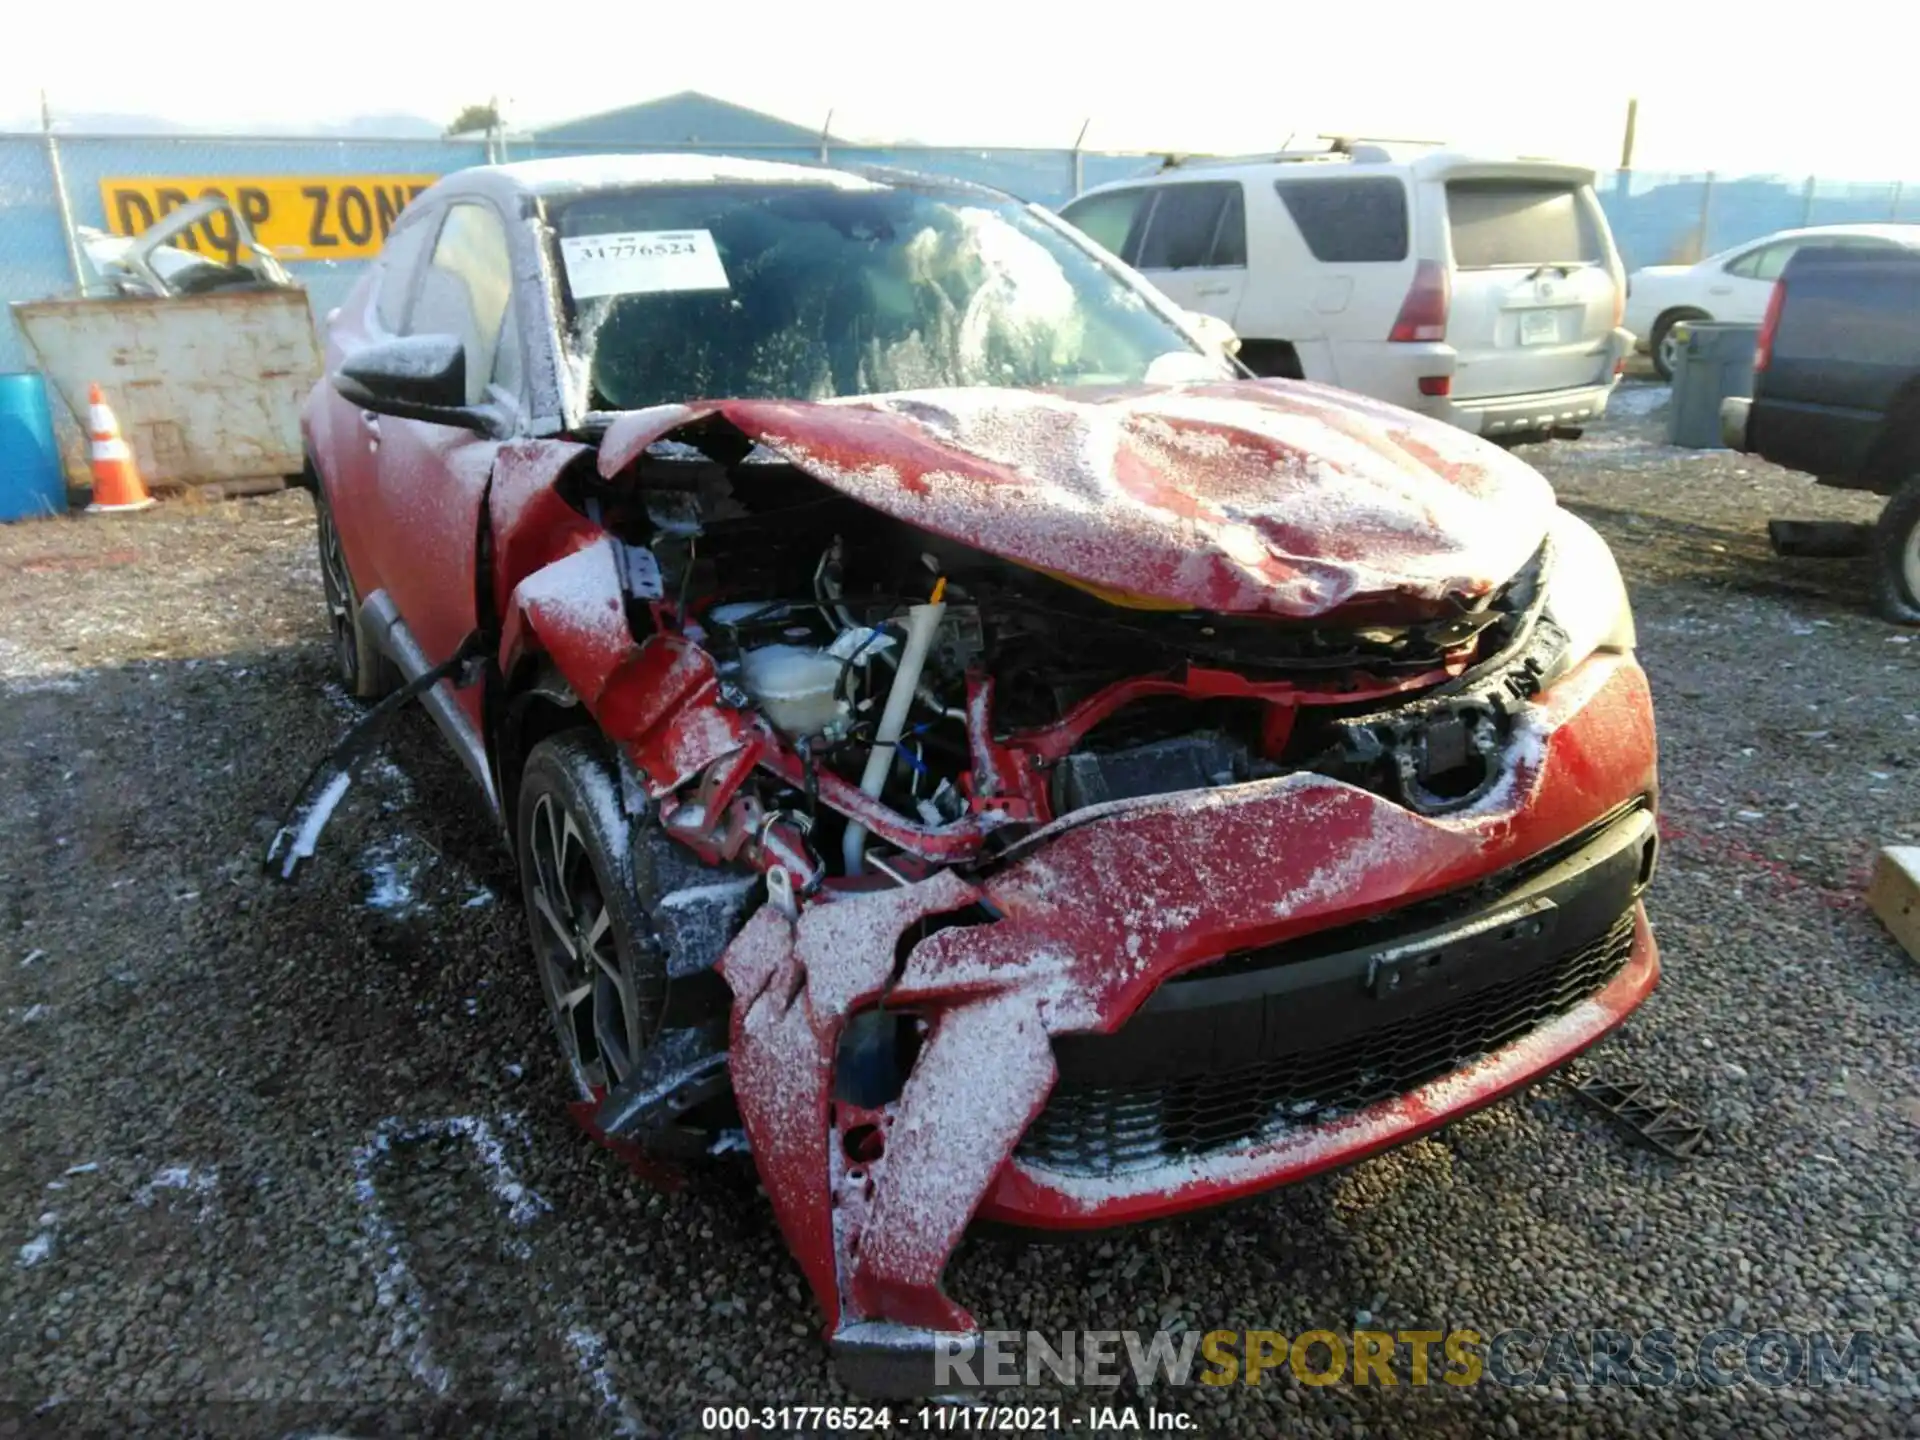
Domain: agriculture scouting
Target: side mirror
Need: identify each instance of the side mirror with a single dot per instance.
(414, 377)
(1214, 332)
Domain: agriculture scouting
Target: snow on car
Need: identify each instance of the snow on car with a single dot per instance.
(963, 739)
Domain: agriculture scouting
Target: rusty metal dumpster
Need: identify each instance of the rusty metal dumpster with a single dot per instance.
(207, 388)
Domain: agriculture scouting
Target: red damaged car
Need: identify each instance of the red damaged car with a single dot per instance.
(963, 740)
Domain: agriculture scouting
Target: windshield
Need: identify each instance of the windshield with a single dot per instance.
(812, 291)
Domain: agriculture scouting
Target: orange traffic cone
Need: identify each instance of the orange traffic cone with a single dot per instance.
(116, 479)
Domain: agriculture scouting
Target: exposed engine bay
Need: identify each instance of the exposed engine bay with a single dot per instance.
(969, 700)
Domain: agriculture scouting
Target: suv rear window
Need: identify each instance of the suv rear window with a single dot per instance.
(1349, 221)
(1521, 222)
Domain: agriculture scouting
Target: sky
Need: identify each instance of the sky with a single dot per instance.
(1720, 88)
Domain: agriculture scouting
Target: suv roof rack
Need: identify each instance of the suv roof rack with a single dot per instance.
(1347, 142)
(1340, 149)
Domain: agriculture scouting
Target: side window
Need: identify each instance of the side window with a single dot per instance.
(1773, 259)
(1349, 220)
(1763, 262)
(1180, 235)
(467, 291)
(399, 259)
(1108, 220)
(1230, 239)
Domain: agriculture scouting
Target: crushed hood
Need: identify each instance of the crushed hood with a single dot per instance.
(1239, 497)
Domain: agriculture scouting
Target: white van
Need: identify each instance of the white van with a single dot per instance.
(1485, 292)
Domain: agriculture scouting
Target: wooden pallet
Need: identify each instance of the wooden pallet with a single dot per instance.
(1894, 894)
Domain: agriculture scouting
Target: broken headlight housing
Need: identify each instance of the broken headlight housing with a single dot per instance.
(1586, 598)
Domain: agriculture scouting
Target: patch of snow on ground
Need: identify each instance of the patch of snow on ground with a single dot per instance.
(393, 780)
(396, 867)
(1640, 400)
(395, 1288)
(590, 1350)
(390, 891)
(203, 1185)
(41, 1245)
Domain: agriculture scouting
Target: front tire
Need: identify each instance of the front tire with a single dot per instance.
(1896, 546)
(602, 968)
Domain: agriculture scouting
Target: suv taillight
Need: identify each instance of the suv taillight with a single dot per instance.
(1763, 350)
(1423, 315)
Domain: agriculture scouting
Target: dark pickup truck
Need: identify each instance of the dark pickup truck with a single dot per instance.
(1836, 393)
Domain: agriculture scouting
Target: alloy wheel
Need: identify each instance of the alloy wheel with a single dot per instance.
(1670, 351)
(602, 1020)
(339, 591)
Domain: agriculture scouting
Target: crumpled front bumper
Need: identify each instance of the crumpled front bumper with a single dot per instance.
(1032, 1196)
(1071, 934)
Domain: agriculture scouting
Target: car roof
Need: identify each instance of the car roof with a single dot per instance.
(1897, 233)
(560, 177)
(1421, 161)
(1904, 234)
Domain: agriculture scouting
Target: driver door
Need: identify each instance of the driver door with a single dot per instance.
(432, 479)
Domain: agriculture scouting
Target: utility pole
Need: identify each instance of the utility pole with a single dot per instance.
(62, 199)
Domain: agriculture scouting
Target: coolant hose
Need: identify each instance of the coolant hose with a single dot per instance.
(923, 621)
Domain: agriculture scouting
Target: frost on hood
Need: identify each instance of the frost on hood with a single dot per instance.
(1248, 497)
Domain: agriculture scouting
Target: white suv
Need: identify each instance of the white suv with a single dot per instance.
(1485, 292)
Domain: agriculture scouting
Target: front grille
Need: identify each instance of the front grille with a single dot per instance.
(1109, 1130)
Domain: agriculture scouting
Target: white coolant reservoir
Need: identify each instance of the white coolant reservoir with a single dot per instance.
(796, 688)
(801, 689)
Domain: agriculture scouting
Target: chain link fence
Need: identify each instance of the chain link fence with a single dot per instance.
(1656, 217)
(1662, 219)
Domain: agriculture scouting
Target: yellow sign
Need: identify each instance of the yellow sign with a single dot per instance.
(297, 217)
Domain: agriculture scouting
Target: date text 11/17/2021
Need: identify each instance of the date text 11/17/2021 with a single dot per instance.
(942, 1419)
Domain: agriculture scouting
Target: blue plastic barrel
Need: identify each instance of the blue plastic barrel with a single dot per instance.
(31, 482)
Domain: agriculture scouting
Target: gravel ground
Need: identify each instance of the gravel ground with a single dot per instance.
(281, 1159)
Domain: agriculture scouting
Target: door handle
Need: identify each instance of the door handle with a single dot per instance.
(1719, 290)
(1212, 289)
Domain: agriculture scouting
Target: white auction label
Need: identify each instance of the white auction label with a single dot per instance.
(642, 262)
